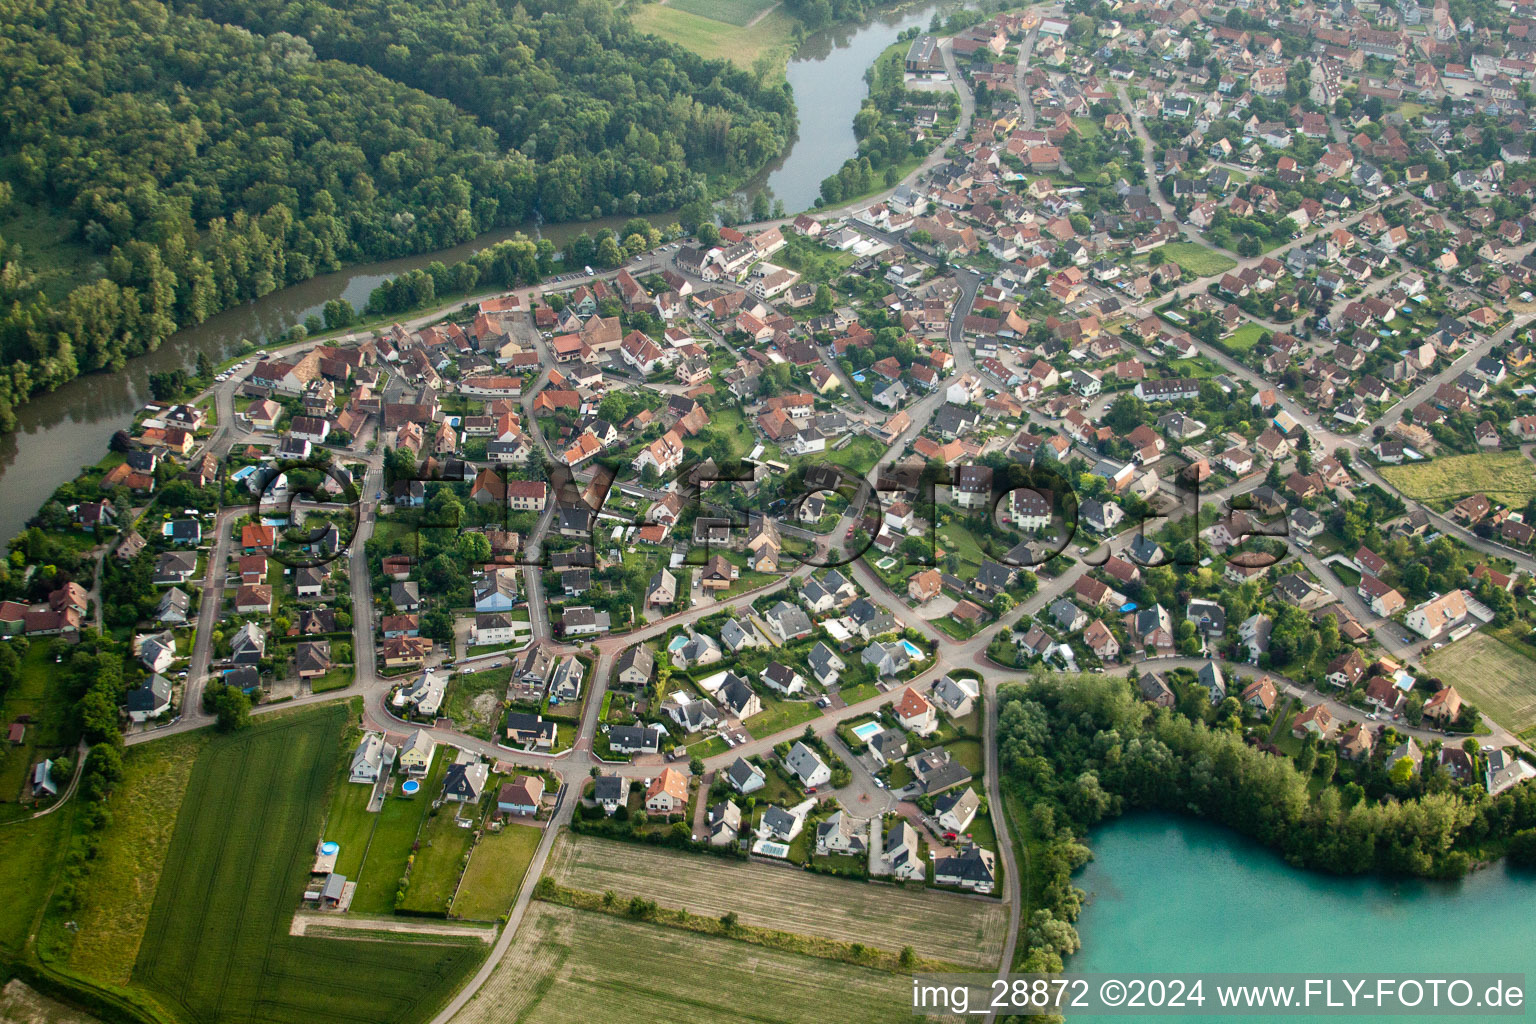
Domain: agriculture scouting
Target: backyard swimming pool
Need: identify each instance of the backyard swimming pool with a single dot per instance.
(867, 731)
(913, 651)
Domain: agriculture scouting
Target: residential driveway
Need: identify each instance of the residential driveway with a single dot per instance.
(937, 608)
(861, 797)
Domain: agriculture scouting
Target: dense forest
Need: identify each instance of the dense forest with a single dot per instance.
(205, 153)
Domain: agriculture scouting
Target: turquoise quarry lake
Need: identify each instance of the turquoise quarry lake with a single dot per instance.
(1176, 894)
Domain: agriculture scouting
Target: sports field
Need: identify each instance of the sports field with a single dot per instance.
(1506, 477)
(217, 946)
(577, 967)
(1497, 678)
(1196, 259)
(965, 932)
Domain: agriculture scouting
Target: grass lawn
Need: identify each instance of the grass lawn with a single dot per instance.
(393, 834)
(217, 945)
(1199, 368)
(955, 539)
(1506, 477)
(1087, 127)
(121, 886)
(1347, 576)
(440, 860)
(560, 968)
(728, 423)
(982, 832)
(29, 850)
(349, 824)
(495, 872)
(967, 752)
(338, 678)
(777, 716)
(1197, 259)
(968, 933)
(709, 748)
(50, 732)
(856, 694)
(773, 36)
(55, 256)
(1493, 675)
(732, 12)
(1245, 337)
(955, 629)
(857, 456)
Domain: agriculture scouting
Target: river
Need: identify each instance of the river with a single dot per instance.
(827, 76)
(1177, 894)
(61, 431)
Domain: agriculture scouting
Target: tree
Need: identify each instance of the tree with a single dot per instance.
(1522, 849)
(232, 708)
(1327, 764)
(823, 302)
(204, 366)
(696, 765)
(729, 921)
(338, 314)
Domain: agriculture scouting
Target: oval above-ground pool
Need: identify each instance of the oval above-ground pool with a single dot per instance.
(409, 787)
(329, 848)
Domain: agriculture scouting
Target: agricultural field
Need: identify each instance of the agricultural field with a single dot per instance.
(1506, 477)
(1492, 675)
(1196, 259)
(120, 889)
(771, 38)
(495, 872)
(217, 945)
(966, 932)
(570, 966)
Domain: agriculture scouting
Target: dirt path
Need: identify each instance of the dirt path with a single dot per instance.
(760, 17)
(302, 922)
